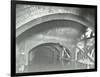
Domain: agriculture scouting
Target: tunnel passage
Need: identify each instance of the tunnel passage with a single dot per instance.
(36, 25)
(46, 57)
(64, 32)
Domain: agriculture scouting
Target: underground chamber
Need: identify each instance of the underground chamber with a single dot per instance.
(55, 45)
(61, 41)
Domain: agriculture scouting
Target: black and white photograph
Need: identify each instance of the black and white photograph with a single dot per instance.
(54, 37)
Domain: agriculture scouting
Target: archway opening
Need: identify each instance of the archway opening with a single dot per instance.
(53, 29)
(43, 58)
(46, 57)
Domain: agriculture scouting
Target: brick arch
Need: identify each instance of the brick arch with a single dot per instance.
(43, 45)
(55, 48)
(57, 16)
(52, 44)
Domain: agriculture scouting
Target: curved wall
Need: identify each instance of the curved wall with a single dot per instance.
(29, 17)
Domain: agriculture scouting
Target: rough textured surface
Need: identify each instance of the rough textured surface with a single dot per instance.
(32, 29)
(27, 13)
